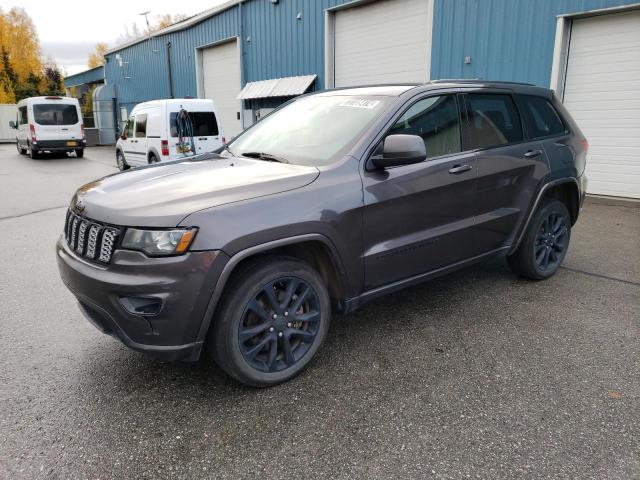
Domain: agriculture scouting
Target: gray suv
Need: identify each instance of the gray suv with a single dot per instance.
(334, 199)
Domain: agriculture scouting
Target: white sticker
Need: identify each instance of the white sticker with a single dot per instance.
(359, 103)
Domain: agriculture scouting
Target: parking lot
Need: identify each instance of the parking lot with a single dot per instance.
(478, 374)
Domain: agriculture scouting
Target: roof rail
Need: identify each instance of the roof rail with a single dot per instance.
(478, 80)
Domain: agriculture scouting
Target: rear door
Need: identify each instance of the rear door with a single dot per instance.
(510, 168)
(45, 121)
(418, 218)
(203, 125)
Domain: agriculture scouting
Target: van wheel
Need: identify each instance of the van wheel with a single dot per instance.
(21, 150)
(545, 242)
(121, 162)
(32, 153)
(153, 159)
(272, 319)
(80, 153)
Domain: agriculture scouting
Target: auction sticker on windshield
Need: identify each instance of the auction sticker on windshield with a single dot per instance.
(359, 103)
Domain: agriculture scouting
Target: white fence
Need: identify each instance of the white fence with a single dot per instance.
(7, 113)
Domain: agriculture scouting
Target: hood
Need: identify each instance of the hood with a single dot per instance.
(161, 195)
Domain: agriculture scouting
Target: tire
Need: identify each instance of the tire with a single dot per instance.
(248, 343)
(34, 155)
(21, 150)
(153, 159)
(544, 244)
(121, 162)
(79, 153)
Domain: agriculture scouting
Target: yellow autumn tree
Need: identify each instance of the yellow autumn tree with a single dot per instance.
(97, 56)
(19, 38)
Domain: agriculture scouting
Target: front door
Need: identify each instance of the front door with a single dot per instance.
(509, 168)
(139, 142)
(419, 218)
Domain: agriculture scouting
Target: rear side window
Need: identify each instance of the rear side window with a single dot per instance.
(22, 116)
(204, 124)
(52, 114)
(141, 125)
(493, 120)
(129, 127)
(435, 119)
(541, 118)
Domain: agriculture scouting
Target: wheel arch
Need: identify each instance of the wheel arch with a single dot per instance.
(315, 249)
(566, 190)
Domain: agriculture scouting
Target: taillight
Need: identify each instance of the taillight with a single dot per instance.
(585, 145)
(164, 145)
(32, 132)
(82, 130)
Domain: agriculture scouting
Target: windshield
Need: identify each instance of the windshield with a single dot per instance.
(55, 114)
(312, 130)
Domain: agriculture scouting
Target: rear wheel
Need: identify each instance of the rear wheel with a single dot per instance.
(32, 153)
(271, 321)
(21, 150)
(545, 242)
(153, 159)
(79, 152)
(122, 163)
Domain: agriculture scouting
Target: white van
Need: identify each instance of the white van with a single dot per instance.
(49, 124)
(162, 130)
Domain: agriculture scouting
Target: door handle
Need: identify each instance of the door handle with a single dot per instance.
(533, 153)
(202, 138)
(460, 169)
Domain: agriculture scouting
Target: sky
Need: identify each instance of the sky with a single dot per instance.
(69, 35)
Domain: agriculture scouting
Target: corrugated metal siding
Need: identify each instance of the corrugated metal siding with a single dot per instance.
(95, 75)
(506, 39)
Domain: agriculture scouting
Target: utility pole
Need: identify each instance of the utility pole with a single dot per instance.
(146, 19)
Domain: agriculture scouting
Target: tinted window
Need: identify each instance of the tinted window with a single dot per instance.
(22, 116)
(129, 128)
(493, 120)
(204, 124)
(435, 119)
(141, 125)
(542, 119)
(52, 114)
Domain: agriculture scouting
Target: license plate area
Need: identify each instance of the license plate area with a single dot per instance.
(71, 143)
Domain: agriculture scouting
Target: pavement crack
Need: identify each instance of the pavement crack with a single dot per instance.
(606, 277)
(31, 213)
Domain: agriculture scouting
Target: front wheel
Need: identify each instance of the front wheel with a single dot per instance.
(122, 164)
(545, 242)
(21, 150)
(271, 321)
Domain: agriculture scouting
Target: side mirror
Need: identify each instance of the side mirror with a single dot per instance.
(401, 149)
(123, 136)
(13, 125)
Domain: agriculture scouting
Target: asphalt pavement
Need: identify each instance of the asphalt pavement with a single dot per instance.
(479, 374)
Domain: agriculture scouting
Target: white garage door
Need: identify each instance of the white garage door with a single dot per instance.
(382, 42)
(602, 92)
(221, 83)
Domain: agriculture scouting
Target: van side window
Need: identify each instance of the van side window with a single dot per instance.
(141, 125)
(22, 116)
(493, 120)
(129, 127)
(436, 120)
(541, 118)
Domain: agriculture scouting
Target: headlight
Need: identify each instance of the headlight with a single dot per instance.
(159, 242)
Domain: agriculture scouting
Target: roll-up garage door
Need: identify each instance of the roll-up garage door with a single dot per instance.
(602, 92)
(385, 41)
(221, 83)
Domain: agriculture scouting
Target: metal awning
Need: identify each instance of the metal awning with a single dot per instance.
(276, 87)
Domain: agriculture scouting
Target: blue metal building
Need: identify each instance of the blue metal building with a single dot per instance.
(234, 52)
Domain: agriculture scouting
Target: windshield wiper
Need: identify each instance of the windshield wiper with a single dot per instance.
(265, 156)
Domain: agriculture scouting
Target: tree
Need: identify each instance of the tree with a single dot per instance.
(53, 81)
(158, 23)
(97, 56)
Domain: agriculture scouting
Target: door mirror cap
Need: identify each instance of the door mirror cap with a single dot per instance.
(401, 149)
(13, 125)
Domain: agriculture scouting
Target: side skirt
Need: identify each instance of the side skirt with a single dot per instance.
(352, 304)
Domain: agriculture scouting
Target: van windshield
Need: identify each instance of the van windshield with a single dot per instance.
(55, 114)
(312, 130)
(204, 124)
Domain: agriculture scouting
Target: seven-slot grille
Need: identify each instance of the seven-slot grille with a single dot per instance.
(90, 239)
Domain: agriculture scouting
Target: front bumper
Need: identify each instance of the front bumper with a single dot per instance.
(183, 286)
(58, 145)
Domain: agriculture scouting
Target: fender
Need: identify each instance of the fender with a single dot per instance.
(533, 208)
(263, 247)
